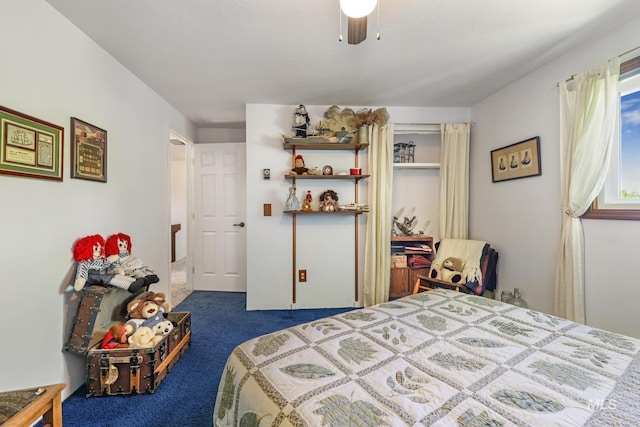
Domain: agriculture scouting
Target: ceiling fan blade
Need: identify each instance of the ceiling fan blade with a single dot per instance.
(357, 30)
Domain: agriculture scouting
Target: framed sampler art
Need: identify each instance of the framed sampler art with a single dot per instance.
(29, 146)
(88, 151)
(518, 160)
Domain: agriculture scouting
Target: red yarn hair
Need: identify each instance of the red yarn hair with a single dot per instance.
(111, 246)
(83, 248)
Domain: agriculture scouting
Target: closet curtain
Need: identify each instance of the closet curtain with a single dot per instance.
(454, 181)
(378, 236)
(589, 115)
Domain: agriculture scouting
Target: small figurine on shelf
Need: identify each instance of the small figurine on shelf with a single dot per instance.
(292, 204)
(329, 201)
(299, 167)
(301, 121)
(406, 226)
(307, 205)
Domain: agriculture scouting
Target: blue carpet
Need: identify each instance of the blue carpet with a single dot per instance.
(219, 322)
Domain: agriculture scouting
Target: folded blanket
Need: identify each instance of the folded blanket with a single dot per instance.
(418, 261)
(469, 251)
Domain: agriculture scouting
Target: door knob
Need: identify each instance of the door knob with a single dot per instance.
(239, 225)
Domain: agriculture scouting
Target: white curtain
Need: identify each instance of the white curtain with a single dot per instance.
(454, 181)
(589, 115)
(378, 237)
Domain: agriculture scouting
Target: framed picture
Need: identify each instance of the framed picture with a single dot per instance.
(29, 146)
(518, 160)
(88, 151)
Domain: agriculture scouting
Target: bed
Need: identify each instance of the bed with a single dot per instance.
(436, 358)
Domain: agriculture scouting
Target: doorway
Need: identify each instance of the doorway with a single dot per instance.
(180, 283)
(219, 263)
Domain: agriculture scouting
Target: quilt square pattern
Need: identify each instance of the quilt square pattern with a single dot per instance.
(437, 358)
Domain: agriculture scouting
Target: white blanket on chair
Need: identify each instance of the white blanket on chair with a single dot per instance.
(469, 251)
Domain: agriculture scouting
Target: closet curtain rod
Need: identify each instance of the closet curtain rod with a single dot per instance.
(420, 131)
(624, 67)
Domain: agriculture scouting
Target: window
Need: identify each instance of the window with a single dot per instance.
(620, 197)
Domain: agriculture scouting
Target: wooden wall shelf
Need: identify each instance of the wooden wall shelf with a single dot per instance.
(355, 148)
(324, 213)
(323, 146)
(356, 177)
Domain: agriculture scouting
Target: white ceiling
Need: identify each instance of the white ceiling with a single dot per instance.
(208, 58)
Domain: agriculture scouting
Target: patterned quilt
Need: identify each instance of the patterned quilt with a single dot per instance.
(437, 358)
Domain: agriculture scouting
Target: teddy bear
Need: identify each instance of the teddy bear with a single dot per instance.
(157, 297)
(119, 245)
(144, 337)
(148, 309)
(92, 265)
(451, 270)
(116, 337)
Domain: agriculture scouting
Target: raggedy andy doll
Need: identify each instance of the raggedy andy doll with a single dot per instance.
(120, 245)
(92, 266)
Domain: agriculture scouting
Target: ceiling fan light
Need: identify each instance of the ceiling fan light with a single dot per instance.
(357, 8)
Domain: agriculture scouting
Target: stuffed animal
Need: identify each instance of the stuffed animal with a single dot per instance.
(120, 245)
(329, 201)
(145, 311)
(163, 328)
(299, 167)
(157, 297)
(116, 337)
(451, 270)
(144, 337)
(92, 265)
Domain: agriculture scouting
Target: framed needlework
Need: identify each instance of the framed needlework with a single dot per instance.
(29, 146)
(88, 151)
(518, 160)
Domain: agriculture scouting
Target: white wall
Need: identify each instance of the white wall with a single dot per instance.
(325, 245)
(221, 134)
(53, 71)
(521, 218)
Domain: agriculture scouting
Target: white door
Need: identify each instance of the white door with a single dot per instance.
(219, 247)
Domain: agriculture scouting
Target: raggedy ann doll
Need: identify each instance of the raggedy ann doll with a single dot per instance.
(120, 245)
(92, 266)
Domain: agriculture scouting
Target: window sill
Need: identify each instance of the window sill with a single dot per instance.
(595, 212)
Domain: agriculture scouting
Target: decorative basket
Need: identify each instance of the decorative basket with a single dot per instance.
(403, 152)
(398, 261)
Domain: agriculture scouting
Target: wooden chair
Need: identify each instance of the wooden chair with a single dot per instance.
(425, 283)
(488, 265)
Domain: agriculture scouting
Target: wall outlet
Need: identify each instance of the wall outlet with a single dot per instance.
(302, 275)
